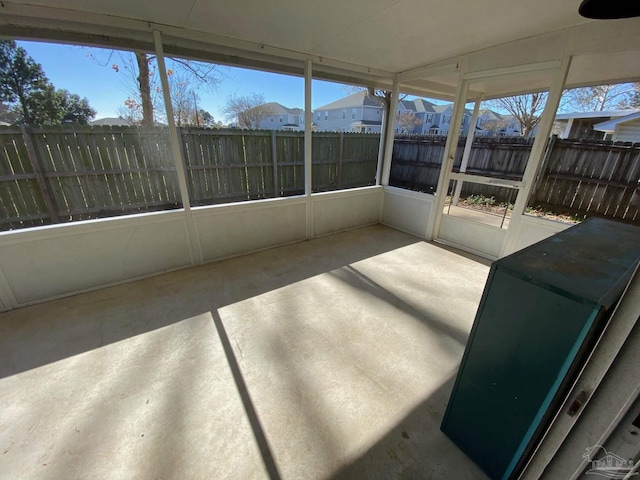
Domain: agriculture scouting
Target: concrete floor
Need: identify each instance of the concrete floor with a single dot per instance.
(327, 359)
(477, 215)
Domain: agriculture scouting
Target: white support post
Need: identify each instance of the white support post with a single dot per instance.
(308, 124)
(537, 153)
(449, 151)
(390, 132)
(383, 132)
(195, 250)
(467, 149)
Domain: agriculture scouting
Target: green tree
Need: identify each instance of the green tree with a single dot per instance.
(20, 77)
(30, 97)
(44, 107)
(205, 118)
(75, 109)
(50, 106)
(7, 115)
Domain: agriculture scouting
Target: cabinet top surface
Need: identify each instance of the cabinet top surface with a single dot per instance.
(592, 260)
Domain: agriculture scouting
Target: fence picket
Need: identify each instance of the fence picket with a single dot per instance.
(37, 170)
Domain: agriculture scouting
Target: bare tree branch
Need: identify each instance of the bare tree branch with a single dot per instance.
(526, 109)
(598, 98)
(248, 111)
(141, 82)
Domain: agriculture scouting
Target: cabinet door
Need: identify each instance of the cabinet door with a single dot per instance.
(523, 342)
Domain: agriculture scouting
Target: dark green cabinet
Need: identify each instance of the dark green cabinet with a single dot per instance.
(541, 311)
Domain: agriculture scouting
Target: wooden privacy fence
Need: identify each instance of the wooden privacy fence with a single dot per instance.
(61, 174)
(234, 165)
(417, 160)
(591, 177)
(576, 177)
(50, 175)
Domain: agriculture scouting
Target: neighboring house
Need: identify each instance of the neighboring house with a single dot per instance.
(513, 127)
(111, 122)
(581, 124)
(621, 129)
(282, 118)
(492, 123)
(362, 113)
(359, 112)
(446, 111)
(425, 114)
(431, 119)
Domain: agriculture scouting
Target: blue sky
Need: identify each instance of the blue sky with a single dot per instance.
(73, 68)
(77, 70)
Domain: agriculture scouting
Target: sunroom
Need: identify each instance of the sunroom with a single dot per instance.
(314, 332)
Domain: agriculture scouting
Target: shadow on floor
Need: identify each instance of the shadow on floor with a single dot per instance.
(415, 449)
(357, 279)
(34, 336)
(247, 402)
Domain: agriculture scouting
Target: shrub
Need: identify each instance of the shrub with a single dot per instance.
(480, 200)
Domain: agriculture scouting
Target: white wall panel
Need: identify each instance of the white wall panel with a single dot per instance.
(342, 210)
(230, 230)
(53, 261)
(478, 238)
(57, 260)
(533, 229)
(408, 211)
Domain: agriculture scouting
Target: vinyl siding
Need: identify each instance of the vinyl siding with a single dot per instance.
(627, 132)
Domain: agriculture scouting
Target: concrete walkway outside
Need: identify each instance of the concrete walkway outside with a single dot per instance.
(488, 218)
(327, 359)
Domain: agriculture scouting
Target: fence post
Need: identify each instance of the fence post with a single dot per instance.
(340, 155)
(274, 159)
(47, 194)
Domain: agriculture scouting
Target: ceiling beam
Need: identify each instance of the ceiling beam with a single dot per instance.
(427, 71)
(513, 69)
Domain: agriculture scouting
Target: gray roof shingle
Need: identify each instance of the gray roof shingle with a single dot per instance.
(278, 109)
(358, 99)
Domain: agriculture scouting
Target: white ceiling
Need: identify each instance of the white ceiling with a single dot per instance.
(392, 35)
(368, 39)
